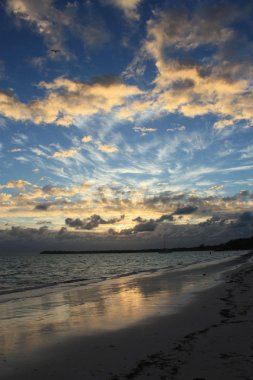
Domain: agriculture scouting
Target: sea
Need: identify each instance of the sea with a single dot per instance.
(50, 300)
(46, 273)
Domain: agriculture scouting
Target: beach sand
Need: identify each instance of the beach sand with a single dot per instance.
(209, 338)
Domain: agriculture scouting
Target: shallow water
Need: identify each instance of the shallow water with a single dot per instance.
(45, 272)
(47, 300)
(137, 287)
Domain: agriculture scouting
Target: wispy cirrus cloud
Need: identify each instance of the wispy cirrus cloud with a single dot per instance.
(143, 130)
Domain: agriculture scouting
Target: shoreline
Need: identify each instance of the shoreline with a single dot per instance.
(40, 290)
(164, 346)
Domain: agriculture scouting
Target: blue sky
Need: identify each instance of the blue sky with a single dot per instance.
(123, 121)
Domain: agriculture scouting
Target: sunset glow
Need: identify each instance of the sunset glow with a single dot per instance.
(123, 122)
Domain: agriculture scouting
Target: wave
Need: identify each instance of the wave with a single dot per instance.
(17, 289)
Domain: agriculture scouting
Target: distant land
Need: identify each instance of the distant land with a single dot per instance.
(231, 245)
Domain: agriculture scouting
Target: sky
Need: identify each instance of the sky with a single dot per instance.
(125, 123)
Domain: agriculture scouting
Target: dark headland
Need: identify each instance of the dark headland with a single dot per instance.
(231, 245)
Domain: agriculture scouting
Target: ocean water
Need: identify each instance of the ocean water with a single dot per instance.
(19, 274)
(47, 299)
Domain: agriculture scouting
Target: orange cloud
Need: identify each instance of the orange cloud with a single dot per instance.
(107, 148)
(65, 100)
(19, 184)
(65, 153)
(87, 139)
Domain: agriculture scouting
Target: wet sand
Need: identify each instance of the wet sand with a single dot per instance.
(209, 338)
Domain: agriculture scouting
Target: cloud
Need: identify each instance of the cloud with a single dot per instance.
(39, 152)
(129, 7)
(87, 139)
(5, 198)
(24, 233)
(47, 20)
(20, 138)
(241, 221)
(223, 123)
(57, 191)
(107, 148)
(54, 24)
(139, 219)
(181, 128)
(164, 198)
(95, 34)
(43, 206)
(185, 210)
(15, 150)
(216, 187)
(38, 62)
(19, 184)
(244, 220)
(143, 225)
(217, 229)
(144, 130)
(148, 226)
(64, 153)
(90, 223)
(67, 100)
(166, 217)
(10, 106)
(219, 83)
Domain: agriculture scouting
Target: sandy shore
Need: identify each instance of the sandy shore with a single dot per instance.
(209, 338)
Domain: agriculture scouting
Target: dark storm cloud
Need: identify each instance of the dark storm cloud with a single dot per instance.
(217, 229)
(148, 226)
(90, 223)
(139, 219)
(43, 206)
(185, 210)
(165, 217)
(143, 225)
(230, 219)
(214, 220)
(244, 220)
(26, 233)
(242, 195)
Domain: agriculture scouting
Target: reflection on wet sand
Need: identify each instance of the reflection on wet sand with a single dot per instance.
(34, 322)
